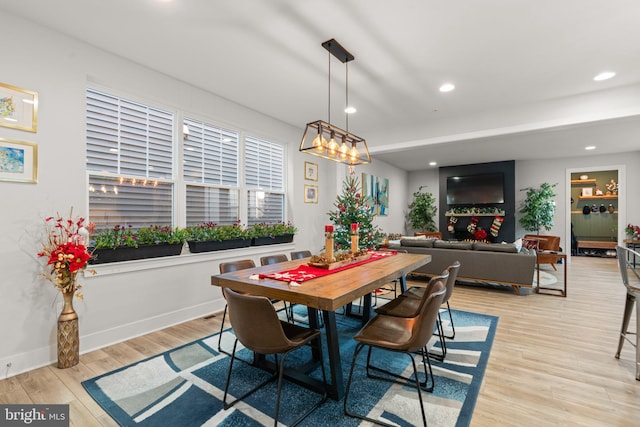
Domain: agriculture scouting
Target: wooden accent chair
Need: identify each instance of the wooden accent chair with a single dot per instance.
(546, 243)
(434, 234)
(257, 326)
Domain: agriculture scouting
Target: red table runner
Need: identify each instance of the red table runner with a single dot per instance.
(307, 272)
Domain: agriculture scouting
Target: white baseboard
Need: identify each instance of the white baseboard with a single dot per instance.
(23, 362)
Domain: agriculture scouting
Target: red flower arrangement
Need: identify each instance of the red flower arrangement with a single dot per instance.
(65, 251)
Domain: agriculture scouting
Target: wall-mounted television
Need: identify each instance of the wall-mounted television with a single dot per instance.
(482, 189)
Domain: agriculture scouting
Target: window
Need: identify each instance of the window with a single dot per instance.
(211, 173)
(130, 162)
(264, 178)
(133, 179)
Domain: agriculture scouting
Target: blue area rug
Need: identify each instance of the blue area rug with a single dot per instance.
(184, 386)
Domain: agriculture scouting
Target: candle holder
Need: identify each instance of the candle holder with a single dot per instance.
(328, 242)
(354, 238)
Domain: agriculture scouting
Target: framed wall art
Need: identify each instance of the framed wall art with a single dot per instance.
(310, 193)
(376, 193)
(18, 108)
(311, 171)
(18, 161)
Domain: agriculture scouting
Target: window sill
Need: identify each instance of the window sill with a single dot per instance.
(185, 258)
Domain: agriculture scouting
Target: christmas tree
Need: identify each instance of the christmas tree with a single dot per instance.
(351, 208)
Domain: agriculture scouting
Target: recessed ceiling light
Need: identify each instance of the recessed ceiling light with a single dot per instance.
(590, 147)
(447, 87)
(350, 109)
(432, 163)
(606, 75)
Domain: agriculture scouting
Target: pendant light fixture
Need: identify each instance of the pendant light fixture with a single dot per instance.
(328, 141)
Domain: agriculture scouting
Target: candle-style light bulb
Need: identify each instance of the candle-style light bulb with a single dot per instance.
(354, 154)
(344, 150)
(319, 143)
(332, 147)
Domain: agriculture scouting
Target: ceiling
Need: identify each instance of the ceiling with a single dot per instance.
(523, 70)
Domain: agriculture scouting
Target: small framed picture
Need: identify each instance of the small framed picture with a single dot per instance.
(587, 192)
(18, 161)
(310, 193)
(311, 171)
(18, 108)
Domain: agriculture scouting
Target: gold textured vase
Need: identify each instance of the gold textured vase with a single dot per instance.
(68, 336)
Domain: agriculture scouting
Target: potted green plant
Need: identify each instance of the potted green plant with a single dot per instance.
(269, 234)
(121, 243)
(422, 211)
(213, 237)
(538, 208)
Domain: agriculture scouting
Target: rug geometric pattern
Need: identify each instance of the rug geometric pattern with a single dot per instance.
(184, 386)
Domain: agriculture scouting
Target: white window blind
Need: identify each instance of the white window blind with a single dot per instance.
(211, 172)
(264, 178)
(264, 164)
(210, 155)
(130, 162)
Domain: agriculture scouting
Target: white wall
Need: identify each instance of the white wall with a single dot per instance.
(427, 178)
(534, 172)
(118, 303)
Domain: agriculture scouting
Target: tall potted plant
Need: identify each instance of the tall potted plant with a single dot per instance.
(538, 208)
(422, 211)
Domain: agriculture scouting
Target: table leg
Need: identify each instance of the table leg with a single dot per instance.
(403, 283)
(336, 390)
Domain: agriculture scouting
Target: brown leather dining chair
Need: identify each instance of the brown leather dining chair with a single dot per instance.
(273, 259)
(409, 303)
(229, 267)
(276, 259)
(453, 270)
(257, 327)
(300, 254)
(406, 335)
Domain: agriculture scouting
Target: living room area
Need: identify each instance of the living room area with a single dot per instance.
(259, 76)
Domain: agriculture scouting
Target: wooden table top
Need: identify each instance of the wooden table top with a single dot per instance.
(328, 292)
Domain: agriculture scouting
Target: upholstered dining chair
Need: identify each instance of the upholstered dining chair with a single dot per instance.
(276, 259)
(416, 293)
(229, 267)
(625, 256)
(273, 259)
(258, 328)
(406, 335)
(409, 303)
(300, 254)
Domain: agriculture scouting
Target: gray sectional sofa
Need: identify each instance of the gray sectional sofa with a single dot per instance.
(501, 263)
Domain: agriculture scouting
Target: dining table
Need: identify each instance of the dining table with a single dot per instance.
(326, 293)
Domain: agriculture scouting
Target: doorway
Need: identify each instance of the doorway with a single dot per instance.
(596, 211)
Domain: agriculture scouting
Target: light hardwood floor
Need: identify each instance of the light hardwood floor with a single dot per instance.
(552, 362)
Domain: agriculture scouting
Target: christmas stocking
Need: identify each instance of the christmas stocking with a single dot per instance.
(473, 223)
(495, 227)
(451, 226)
